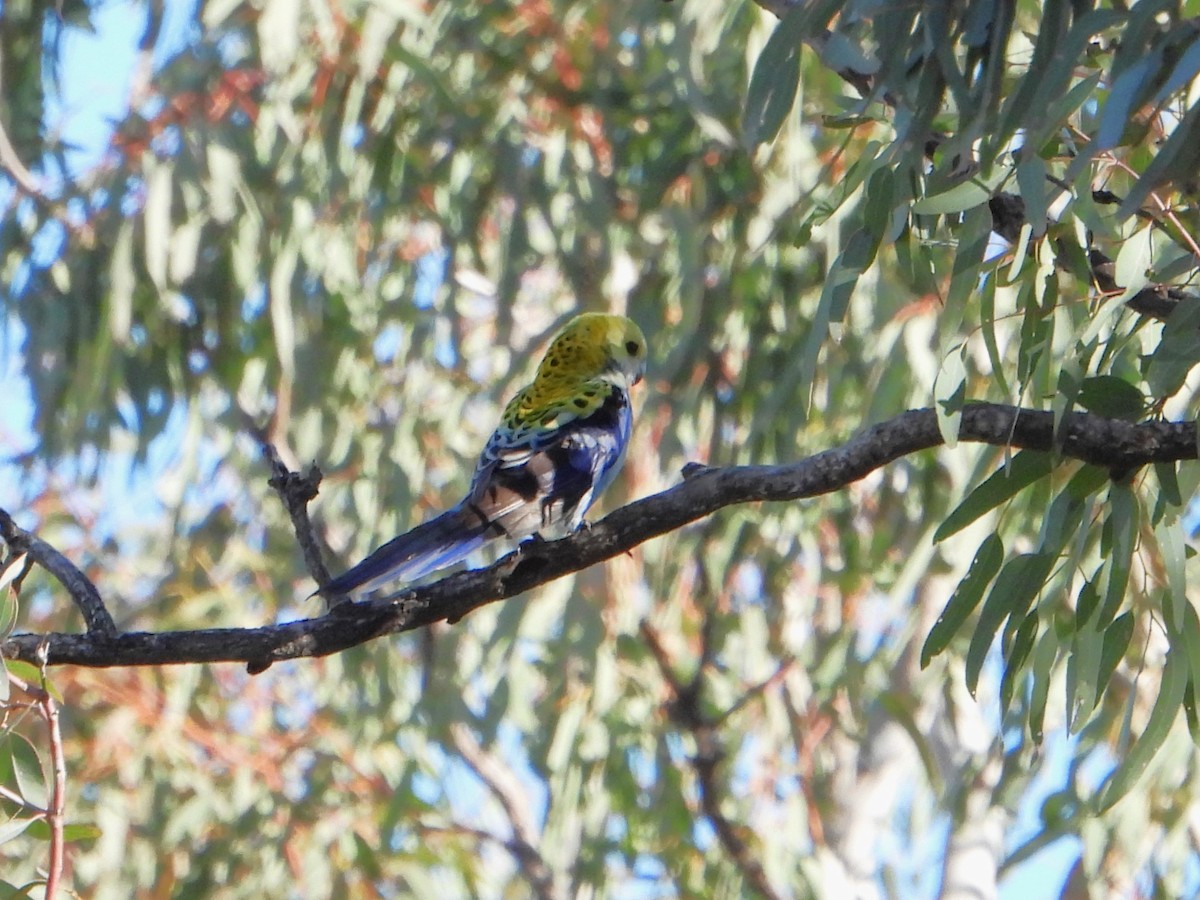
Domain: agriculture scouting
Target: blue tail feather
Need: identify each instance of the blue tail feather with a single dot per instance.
(432, 545)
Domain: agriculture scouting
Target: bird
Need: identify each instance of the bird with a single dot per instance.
(560, 442)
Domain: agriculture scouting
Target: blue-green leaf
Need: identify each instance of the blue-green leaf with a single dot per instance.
(1162, 717)
(1031, 179)
(1127, 92)
(966, 597)
(776, 79)
(1014, 663)
(1022, 470)
(1178, 157)
(1116, 641)
(1178, 351)
(1116, 398)
(1015, 587)
(1120, 529)
(967, 195)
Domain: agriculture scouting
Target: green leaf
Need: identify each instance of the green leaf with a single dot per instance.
(27, 771)
(122, 283)
(8, 615)
(1176, 159)
(1162, 717)
(950, 394)
(13, 569)
(40, 829)
(1169, 534)
(1022, 470)
(1087, 481)
(987, 306)
(839, 283)
(973, 239)
(156, 215)
(10, 891)
(1055, 59)
(1191, 642)
(1086, 603)
(776, 79)
(1031, 179)
(965, 598)
(1057, 112)
(878, 203)
(1189, 709)
(1061, 521)
(1182, 75)
(26, 671)
(967, 195)
(1016, 657)
(1120, 530)
(1015, 587)
(1043, 663)
(841, 52)
(1134, 259)
(1168, 483)
(1113, 397)
(1127, 92)
(1177, 353)
(1083, 668)
(13, 828)
(1116, 641)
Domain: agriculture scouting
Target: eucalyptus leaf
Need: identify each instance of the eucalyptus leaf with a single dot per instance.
(1025, 468)
(1014, 589)
(1162, 717)
(966, 597)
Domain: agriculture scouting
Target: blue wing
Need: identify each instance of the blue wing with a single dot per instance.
(547, 481)
(552, 478)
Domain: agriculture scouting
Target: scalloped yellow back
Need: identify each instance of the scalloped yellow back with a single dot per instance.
(590, 357)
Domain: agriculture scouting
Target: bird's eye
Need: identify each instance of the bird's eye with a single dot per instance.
(632, 348)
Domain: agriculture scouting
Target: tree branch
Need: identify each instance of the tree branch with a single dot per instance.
(100, 624)
(295, 492)
(1117, 445)
(1155, 300)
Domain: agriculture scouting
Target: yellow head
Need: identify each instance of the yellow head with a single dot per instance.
(591, 357)
(596, 346)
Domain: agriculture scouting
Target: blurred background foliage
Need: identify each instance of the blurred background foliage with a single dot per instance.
(354, 224)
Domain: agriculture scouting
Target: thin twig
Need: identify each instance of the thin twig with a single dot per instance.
(507, 790)
(12, 164)
(54, 815)
(296, 491)
(685, 711)
(1163, 207)
(756, 690)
